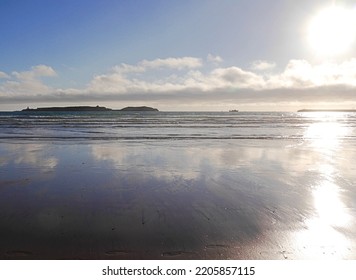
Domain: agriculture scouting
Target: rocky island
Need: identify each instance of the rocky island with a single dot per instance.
(138, 109)
(68, 109)
(89, 109)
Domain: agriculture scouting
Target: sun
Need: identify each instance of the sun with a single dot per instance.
(332, 31)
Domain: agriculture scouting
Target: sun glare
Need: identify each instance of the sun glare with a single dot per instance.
(332, 31)
(323, 235)
(326, 135)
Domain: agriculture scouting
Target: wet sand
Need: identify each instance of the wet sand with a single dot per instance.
(246, 199)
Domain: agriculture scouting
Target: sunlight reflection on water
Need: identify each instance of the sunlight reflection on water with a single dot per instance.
(331, 210)
(324, 229)
(326, 135)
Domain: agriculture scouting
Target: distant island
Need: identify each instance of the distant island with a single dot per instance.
(89, 109)
(68, 109)
(140, 108)
(327, 110)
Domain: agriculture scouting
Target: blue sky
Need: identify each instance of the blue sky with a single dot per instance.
(174, 55)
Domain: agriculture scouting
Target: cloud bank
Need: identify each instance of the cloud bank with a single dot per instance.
(26, 83)
(193, 80)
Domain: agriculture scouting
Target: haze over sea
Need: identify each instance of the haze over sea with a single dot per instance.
(186, 185)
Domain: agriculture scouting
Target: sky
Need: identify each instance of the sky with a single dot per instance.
(178, 55)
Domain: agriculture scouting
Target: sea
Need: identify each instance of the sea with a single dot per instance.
(116, 125)
(178, 185)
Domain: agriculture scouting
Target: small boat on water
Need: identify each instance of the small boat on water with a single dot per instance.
(233, 111)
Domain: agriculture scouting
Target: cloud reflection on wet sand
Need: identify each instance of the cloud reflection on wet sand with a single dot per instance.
(189, 199)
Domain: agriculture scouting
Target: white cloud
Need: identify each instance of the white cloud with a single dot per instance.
(3, 75)
(237, 78)
(126, 78)
(301, 74)
(186, 80)
(138, 78)
(28, 82)
(180, 63)
(43, 71)
(127, 68)
(36, 71)
(300, 82)
(214, 59)
(115, 82)
(261, 65)
(141, 77)
(173, 63)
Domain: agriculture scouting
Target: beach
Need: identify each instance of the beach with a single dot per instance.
(178, 197)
